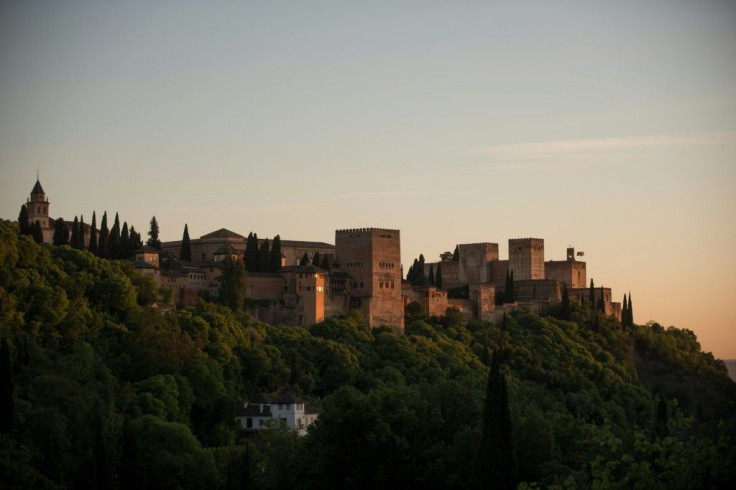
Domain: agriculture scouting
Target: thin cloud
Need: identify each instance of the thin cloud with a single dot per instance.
(557, 150)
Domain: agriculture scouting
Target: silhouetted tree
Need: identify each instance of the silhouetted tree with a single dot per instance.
(495, 465)
(316, 259)
(630, 314)
(74, 239)
(135, 240)
(61, 232)
(186, 245)
(93, 234)
(153, 240)
(430, 277)
(275, 254)
(23, 226)
(592, 294)
(264, 256)
(37, 232)
(250, 256)
(565, 309)
(102, 238)
(304, 260)
(438, 276)
(82, 245)
(125, 242)
(113, 240)
(232, 283)
(325, 264)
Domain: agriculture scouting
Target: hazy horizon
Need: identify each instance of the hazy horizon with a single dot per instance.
(610, 128)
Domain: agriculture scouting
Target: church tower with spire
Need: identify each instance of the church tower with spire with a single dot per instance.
(38, 208)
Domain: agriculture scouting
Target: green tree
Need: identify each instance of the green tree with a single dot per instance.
(82, 245)
(135, 240)
(316, 259)
(232, 283)
(565, 309)
(325, 262)
(446, 256)
(37, 232)
(74, 240)
(264, 259)
(251, 254)
(591, 294)
(430, 278)
(93, 234)
(61, 232)
(125, 242)
(113, 240)
(153, 240)
(23, 225)
(186, 245)
(630, 314)
(438, 276)
(276, 254)
(304, 260)
(495, 465)
(102, 238)
(508, 294)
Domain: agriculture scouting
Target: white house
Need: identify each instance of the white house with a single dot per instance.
(295, 413)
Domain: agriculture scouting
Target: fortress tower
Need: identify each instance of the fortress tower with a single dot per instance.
(372, 259)
(526, 258)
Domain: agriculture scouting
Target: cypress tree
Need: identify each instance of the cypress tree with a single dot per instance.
(232, 283)
(304, 260)
(93, 234)
(325, 262)
(250, 256)
(135, 240)
(186, 245)
(81, 232)
(565, 305)
(624, 312)
(61, 232)
(630, 314)
(264, 256)
(592, 295)
(6, 389)
(316, 259)
(276, 254)
(24, 227)
(102, 239)
(113, 240)
(495, 464)
(37, 232)
(74, 240)
(456, 253)
(153, 240)
(430, 278)
(438, 276)
(125, 242)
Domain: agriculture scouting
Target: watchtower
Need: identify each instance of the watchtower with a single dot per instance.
(38, 206)
(526, 258)
(372, 258)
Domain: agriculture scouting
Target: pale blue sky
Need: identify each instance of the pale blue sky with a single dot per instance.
(608, 127)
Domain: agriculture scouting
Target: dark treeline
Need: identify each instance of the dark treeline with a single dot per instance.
(99, 390)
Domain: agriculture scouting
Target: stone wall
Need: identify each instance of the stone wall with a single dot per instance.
(570, 272)
(526, 258)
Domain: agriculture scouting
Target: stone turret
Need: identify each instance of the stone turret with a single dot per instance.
(38, 206)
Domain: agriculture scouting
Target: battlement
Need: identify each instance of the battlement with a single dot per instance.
(367, 230)
(526, 240)
(476, 244)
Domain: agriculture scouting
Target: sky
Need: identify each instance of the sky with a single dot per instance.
(610, 127)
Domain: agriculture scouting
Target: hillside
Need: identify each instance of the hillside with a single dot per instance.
(100, 390)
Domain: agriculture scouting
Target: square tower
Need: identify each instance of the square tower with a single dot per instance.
(372, 258)
(526, 258)
(474, 259)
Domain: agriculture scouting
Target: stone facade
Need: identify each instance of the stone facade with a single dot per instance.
(372, 258)
(526, 258)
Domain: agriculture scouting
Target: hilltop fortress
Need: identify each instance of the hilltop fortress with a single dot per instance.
(363, 271)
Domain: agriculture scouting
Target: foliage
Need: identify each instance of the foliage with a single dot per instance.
(153, 240)
(108, 392)
(186, 245)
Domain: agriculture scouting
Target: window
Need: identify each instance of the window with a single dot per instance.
(249, 423)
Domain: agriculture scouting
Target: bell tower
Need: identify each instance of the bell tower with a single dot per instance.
(38, 206)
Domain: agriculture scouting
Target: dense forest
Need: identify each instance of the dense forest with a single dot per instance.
(99, 389)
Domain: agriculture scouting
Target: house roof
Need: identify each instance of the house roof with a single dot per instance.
(222, 233)
(303, 244)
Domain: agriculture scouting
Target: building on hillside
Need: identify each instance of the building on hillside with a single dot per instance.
(372, 258)
(259, 413)
(37, 207)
